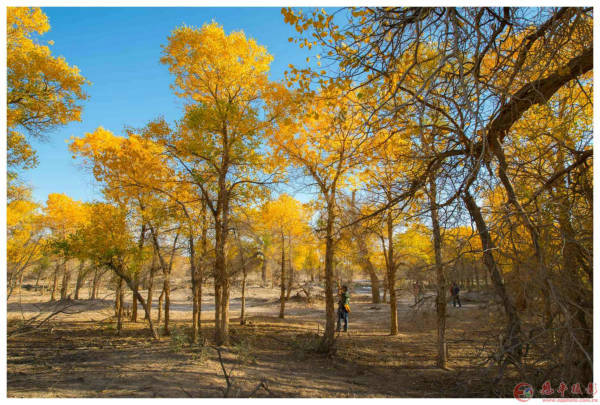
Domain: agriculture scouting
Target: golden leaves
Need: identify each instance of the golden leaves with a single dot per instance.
(42, 90)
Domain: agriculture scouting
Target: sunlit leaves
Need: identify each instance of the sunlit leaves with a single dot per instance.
(43, 91)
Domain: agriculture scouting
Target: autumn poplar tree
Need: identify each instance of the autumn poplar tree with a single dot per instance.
(224, 81)
(326, 143)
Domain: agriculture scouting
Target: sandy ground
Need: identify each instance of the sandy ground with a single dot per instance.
(79, 354)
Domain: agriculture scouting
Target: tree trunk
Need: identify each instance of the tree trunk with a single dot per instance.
(243, 310)
(161, 300)
(136, 285)
(80, 277)
(264, 269)
(166, 270)
(225, 311)
(150, 287)
(367, 266)
(440, 303)
(64, 288)
(119, 305)
(282, 281)
(512, 343)
(218, 291)
(221, 283)
(391, 265)
(195, 289)
(55, 282)
(95, 283)
(199, 268)
(167, 290)
(329, 333)
(123, 277)
(291, 275)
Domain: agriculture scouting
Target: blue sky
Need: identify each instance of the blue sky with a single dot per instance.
(118, 50)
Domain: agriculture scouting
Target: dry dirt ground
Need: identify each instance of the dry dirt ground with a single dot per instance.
(79, 354)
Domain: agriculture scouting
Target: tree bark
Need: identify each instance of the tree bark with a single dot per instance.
(440, 303)
(167, 290)
(161, 299)
(290, 278)
(195, 289)
(282, 280)
(263, 268)
(512, 344)
(391, 267)
(136, 285)
(375, 298)
(64, 288)
(243, 309)
(329, 333)
(119, 305)
(221, 276)
(80, 278)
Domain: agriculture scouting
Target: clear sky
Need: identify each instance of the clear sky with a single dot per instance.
(118, 50)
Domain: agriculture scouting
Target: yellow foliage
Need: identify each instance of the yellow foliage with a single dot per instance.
(43, 91)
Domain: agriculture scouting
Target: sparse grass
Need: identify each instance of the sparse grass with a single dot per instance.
(305, 344)
(243, 351)
(178, 339)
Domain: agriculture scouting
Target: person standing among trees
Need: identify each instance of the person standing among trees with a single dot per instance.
(454, 290)
(343, 308)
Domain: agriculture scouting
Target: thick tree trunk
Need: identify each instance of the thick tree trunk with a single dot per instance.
(161, 300)
(55, 282)
(167, 290)
(199, 268)
(375, 299)
(196, 310)
(226, 289)
(218, 291)
(119, 305)
(513, 342)
(329, 333)
(290, 278)
(195, 289)
(440, 276)
(282, 280)
(385, 287)
(391, 265)
(136, 286)
(243, 309)
(64, 288)
(221, 282)
(80, 278)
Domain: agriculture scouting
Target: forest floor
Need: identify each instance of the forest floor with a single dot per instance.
(79, 354)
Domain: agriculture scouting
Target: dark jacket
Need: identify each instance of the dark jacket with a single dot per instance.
(344, 300)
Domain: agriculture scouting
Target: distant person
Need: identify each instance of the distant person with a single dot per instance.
(343, 308)
(454, 290)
